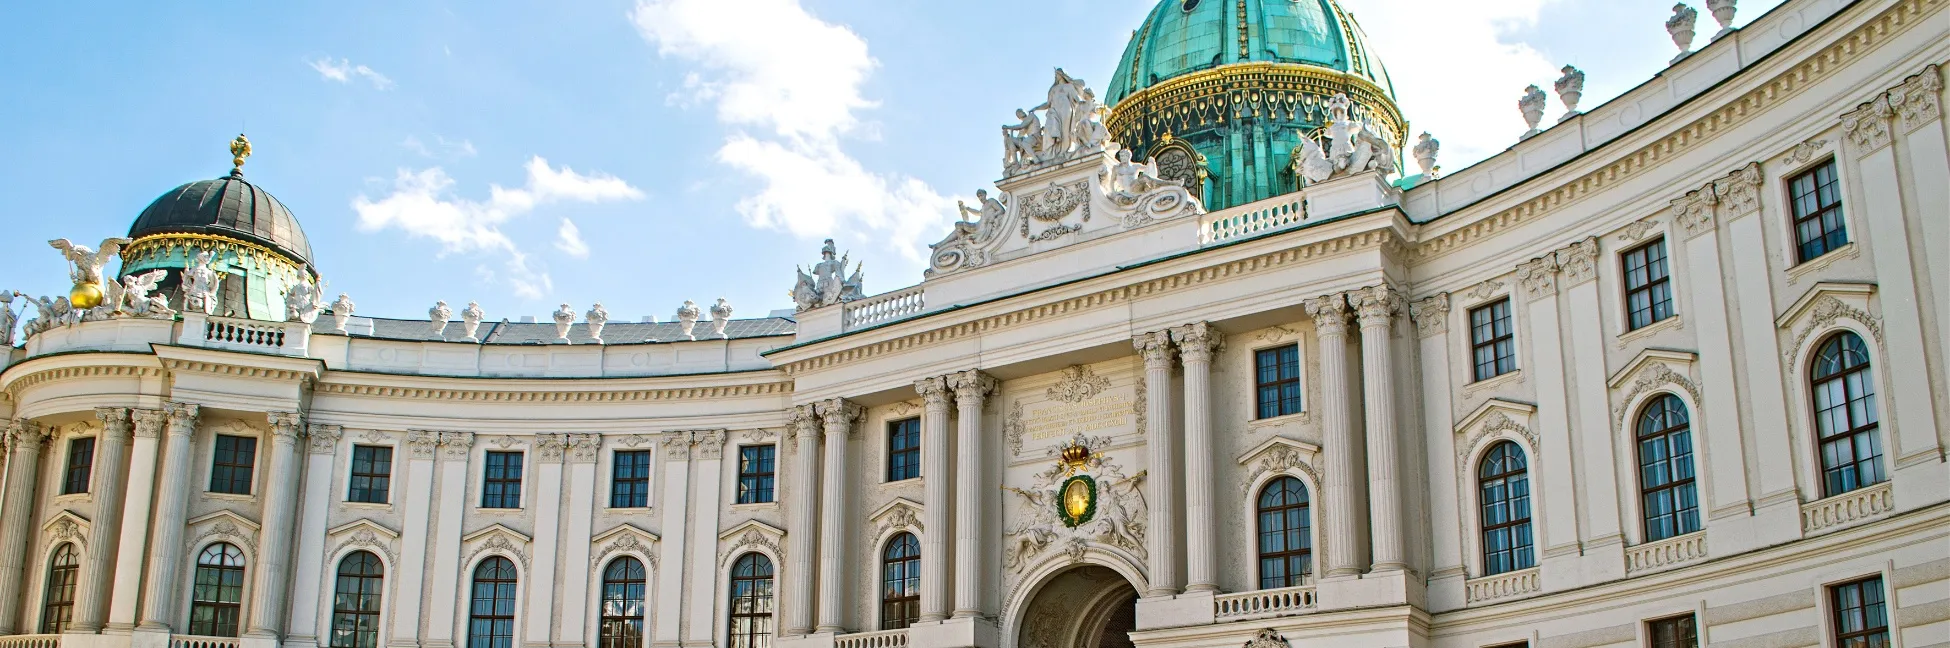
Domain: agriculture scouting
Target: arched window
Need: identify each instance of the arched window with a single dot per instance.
(491, 614)
(1845, 415)
(355, 601)
(621, 625)
(900, 576)
(1286, 545)
(216, 601)
(751, 602)
(1505, 487)
(1666, 490)
(57, 607)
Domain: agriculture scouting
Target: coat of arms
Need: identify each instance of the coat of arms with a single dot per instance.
(1083, 499)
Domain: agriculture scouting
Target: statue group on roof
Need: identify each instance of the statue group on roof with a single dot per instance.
(1071, 124)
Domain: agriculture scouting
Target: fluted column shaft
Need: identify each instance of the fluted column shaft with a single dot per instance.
(145, 458)
(24, 441)
(1162, 527)
(274, 537)
(159, 594)
(1377, 306)
(91, 595)
(972, 388)
(802, 543)
(1345, 553)
(838, 416)
(1196, 343)
(937, 494)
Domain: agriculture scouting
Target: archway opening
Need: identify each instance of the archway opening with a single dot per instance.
(1085, 607)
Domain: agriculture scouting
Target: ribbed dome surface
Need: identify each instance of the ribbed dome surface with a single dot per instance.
(227, 206)
(1184, 36)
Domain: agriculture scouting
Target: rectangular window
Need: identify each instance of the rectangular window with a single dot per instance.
(756, 466)
(1861, 618)
(629, 485)
(372, 474)
(1648, 285)
(81, 464)
(501, 482)
(1817, 201)
(1492, 343)
(230, 472)
(904, 449)
(1674, 632)
(1277, 380)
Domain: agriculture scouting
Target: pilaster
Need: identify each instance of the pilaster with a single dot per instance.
(1602, 537)
(1770, 437)
(707, 469)
(1725, 492)
(584, 451)
(548, 537)
(1555, 481)
(676, 450)
(1431, 316)
(454, 450)
(415, 518)
(322, 447)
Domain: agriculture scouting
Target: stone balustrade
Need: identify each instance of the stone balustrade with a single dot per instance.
(878, 639)
(237, 334)
(1654, 556)
(1264, 604)
(1254, 218)
(31, 641)
(194, 641)
(1502, 586)
(1858, 504)
(884, 307)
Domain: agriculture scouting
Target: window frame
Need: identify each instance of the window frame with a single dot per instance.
(764, 483)
(353, 475)
(1658, 290)
(221, 573)
(1280, 382)
(1675, 485)
(1869, 432)
(639, 485)
(768, 601)
(1497, 344)
(371, 588)
(228, 469)
(903, 463)
(504, 482)
(512, 587)
(1797, 252)
(902, 610)
(78, 479)
(1832, 595)
(1654, 626)
(62, 578)
(634, 624)
(1286, 556)
(1484, 529)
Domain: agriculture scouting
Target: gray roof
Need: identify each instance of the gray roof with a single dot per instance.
(507, 332)
(227, 206)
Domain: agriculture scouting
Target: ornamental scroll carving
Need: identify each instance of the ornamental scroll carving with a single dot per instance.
(625, 542)
(1694, 211)
(1917, 101)
(366, 538)
(1654, 376)
(1739, 192)
(1804, 152)
(421, 444)
(1118, 520)
(1492, 424)
(1538, 276)
(1052, 205)
(1579, 260)
(1866, 129)
(752, 537)
(501, 544)
(1431, 314)
(1078, 384)
(324, 438)
(1826, 311)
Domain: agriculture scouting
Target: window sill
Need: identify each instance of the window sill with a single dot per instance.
(1493, 381)
(622, 509)
(230, 497)
(901, 482)
(1649, 330)
(1811, 266)
(71, 498)
(756, 506)
(369, 506)
(518, 511)
(1301, 416)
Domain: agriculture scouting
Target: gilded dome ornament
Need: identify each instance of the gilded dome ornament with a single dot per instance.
(240, 149)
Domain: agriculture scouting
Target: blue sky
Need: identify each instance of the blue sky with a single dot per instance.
(641, 152)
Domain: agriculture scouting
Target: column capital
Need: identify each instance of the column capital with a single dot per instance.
(1694, 210)
(456, 445)
(805, 424)
(285, 426)
(324, 438)
(1376, 305)
(1866, 128)
(24, 434)
(149, 423)
(182, 417)
(1329, 313)
(1197, 341)
(838, 414)
(115, 422)
(420, 444)
(971, 387)
(1739, 192)
(708, 444)
(933, 391)
(1579, 260)
(1538, 276)
(677, 446)
(548, 448)
(584, 448)
(1431, 314)
(1915, 101)
(1154, 346)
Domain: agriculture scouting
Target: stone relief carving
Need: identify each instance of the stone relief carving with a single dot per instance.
(65, 530)
(1579, 260)
(1804, 152)
(1052, 205)
(500, 543)
(1917, 101)
(456, 445)
(1739, 191)
(1637, 230)
(365, 537)
(324, 438)
(1274, 334)
(901, 517)
(1653, 376)
(420, 444)
(222, 530)
(1486, 290)
(1267, 638)
(1279, 460)
(708, 444)
(1827, 309)
(1431, 314)
(1538, 276)
(1013, 429)
(1866, 129)
(751, 538)
(828, 283)
(677, 446)
(1694, 211)
(625, 542)
(1078, 384)
(1492, 424)
(584, 448)
(548, 447)
(1119, 509)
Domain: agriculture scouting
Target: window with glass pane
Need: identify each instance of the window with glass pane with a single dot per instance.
(57, 601)
(491, 609)
(230, 470)
(1816, 197)
(1276, 380)
(1492, 342)
(1648, 285)
(1666, 490)
(756, 467)
(501, 481)
(904, 449)
(217, 597)
(900, 582)
(372, 474)
(1286, 546)
(751, 602)
(1845, 415)
(355, 601)
(629, 481)
(621, 622)
(1861, 618)
(1673, 632)
(81, 463)
(1506, 509)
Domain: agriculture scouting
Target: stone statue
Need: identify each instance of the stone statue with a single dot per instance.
(720, 316)
(136, 297)
(437, 317)
(303, 302)
(1020, 141)
(200, 286)
(1570, 88)
(85, 269)
(1065, 101)
(991, 210)
(1130, 180)
(341, 311)
(1311, 163)
(1072, 124)
(1532, 105)
(687, 316)
(564, 316)
(597, 317)
(1426, 147)
(52, 313)
(1681, 26)
(7, 318)
(1722, 11)
(470, 321)
(1356, 147)
(828, 283)
(1091, 131)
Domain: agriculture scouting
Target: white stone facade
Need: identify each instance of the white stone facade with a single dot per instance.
(1133, 340)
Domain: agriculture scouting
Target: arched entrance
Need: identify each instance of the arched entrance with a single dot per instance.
(1086, 607)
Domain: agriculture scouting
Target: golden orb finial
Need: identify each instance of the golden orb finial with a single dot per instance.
(240, 148)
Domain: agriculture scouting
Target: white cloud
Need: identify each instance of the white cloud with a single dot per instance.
(568, 239)
(343, 70)
(441, 147)
(769, 65)
(1473, 108)
(422, 204)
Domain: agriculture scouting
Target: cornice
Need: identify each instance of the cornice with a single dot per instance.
(552, 395)
(180, 365)
(34, 378)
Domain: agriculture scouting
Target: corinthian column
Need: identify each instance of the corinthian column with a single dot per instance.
(1377, 306)
(141, 496)
(91, 600)
(838, 415)
(1196, 343)
(1163, 465)
(274, 537)
(23, 441)
(971, 387)
(1345, 496)
(801, 541)
(159, 595)
(936, 496)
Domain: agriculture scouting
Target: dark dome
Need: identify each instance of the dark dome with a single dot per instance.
(228, 207)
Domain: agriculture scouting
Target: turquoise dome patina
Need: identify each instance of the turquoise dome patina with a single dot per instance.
(1221, 91)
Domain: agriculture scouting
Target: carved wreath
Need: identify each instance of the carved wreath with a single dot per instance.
(1078, 384)
(1053, 205)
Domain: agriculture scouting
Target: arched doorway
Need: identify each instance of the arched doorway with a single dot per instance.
(1086, 607)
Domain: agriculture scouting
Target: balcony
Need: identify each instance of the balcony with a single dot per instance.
(1502, 586)
(1264, 604)
(1655, 556)
(878, 639)
(1862, 503)
(194, 641)
(31, 641)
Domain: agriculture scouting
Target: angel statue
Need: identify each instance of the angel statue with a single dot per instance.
(303, 302)
(136, 297)
(85, 267)
(200, 285)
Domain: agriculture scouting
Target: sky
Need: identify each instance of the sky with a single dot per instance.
(640, 153)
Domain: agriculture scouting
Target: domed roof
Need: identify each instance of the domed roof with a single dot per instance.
(1184, 36)
(230, 207)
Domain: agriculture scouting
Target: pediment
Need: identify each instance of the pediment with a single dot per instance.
(354, 526)
(1276, 443)
(67, 525)
(623, 530)
(751, 525)
(1495, 410)
(1647, 358)
(892, 506)
(241, 522)
(497, 529)
(1850, 294)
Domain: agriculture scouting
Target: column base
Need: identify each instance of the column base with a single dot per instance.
(149, 636)
(258, 639)
(1175, 611)
(1379, 589)
(76, 639)
(969, 632)
(815, 640)
(1201, 587)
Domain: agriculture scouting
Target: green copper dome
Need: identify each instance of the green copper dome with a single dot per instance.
(1221, 91)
